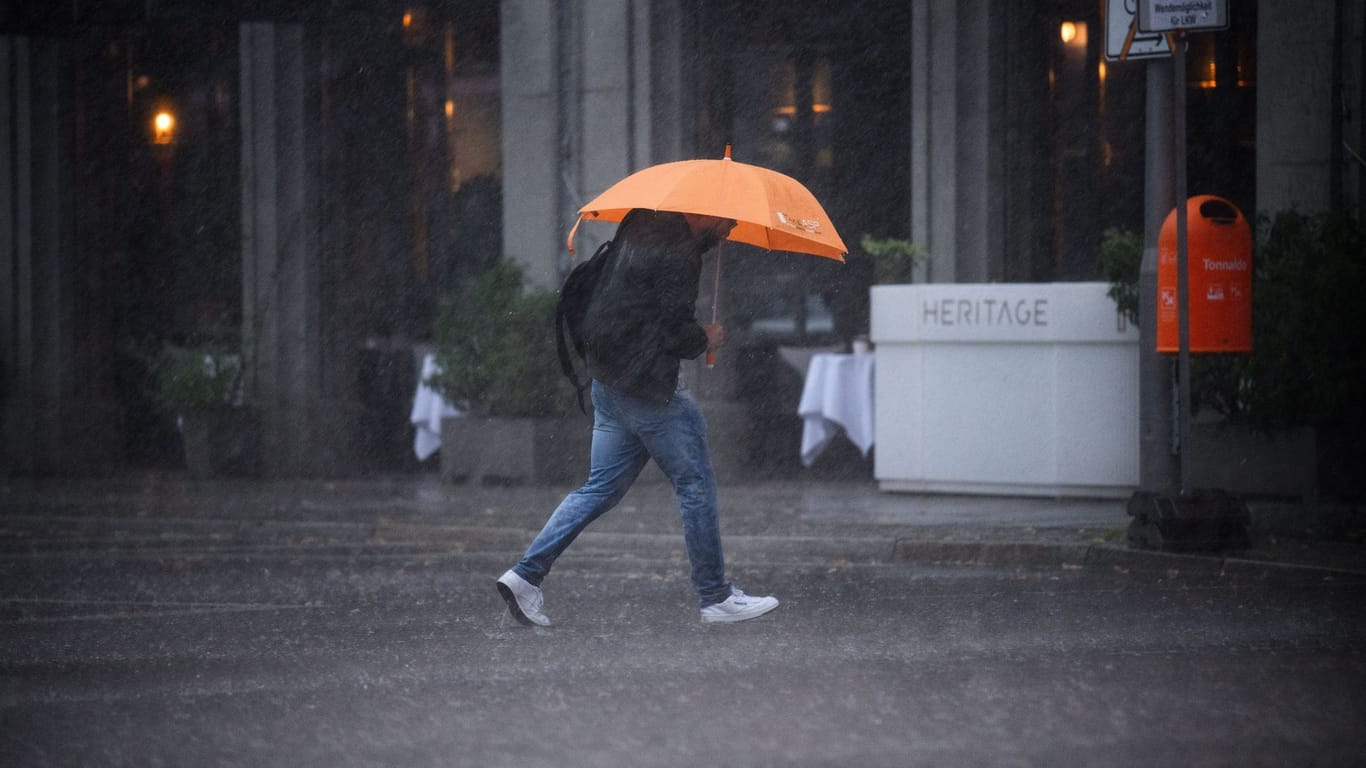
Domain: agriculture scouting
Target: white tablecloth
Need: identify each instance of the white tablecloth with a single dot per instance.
(838, 395)
(429, 408)
(799, 358)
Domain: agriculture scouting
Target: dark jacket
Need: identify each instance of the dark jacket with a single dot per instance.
(641, 322)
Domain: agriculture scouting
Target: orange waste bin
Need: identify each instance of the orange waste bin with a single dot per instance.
(1219, 266)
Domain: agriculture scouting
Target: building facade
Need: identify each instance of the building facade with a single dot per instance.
(331, 170)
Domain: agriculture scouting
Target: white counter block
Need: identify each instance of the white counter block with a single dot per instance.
(1014, 389)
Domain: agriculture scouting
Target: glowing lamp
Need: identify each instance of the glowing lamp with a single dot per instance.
(163, 127)
(1073, 33)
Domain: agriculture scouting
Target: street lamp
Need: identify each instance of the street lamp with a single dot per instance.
(163, 127)
(1073, 33)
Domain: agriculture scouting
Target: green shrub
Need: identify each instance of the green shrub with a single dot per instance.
(495, 346)
(198, 377)
(1308, 322)
(1121, 256)
(894, 259)
(1306, 367)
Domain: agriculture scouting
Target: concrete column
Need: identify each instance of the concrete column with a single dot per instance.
(302, 433)
(973, 144)
(920, 102)
(56, 416)
(613, 76)
(940, 167)
(1294, 104)
(669, 104)
(975, 147)
(531, 40)
(578, 110)
(957, 166)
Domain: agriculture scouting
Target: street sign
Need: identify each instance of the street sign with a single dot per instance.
(1123, 41)
(1182, 15)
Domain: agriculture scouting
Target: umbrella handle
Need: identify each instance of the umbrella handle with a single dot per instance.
(575, 228)
(715, 296)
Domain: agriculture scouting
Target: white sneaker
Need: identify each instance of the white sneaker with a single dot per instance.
(523, 598)
(738, 607)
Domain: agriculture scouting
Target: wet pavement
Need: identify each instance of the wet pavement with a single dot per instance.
(151, 620)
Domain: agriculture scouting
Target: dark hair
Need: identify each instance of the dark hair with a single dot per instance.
(643, 227)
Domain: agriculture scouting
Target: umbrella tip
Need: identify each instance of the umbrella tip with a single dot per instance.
(727, 151)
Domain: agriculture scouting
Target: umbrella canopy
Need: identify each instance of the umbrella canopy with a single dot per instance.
(771, 210)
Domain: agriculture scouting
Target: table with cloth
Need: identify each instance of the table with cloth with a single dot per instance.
(838, 395)
(429, 408)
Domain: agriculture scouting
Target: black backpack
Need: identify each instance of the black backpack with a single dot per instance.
(570, 310)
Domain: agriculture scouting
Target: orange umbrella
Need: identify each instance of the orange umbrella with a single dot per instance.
(771, 210)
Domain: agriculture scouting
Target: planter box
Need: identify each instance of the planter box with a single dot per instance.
(220, 442)
(500, 451)
(1005, 389)
(1243, 461)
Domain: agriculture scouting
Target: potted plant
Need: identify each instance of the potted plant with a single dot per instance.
(496, 360)
(894, 259)
(885, 261)
(200, 386)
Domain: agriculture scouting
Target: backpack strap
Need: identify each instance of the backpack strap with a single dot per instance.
(575, 295)
(566, 366)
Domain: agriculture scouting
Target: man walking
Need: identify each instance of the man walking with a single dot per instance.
(639, 326)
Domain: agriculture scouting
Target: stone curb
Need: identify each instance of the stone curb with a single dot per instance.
(876, 550)
(737, 547)
(1213, 564)
(1105, 557)
(989, 553)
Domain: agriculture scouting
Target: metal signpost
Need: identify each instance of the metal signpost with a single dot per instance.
(1183, 364)
(1137, 29)
(1176, 18)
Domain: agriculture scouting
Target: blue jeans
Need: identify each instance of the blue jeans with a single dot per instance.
(628, 432)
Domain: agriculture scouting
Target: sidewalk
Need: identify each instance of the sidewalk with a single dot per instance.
(839, 521)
